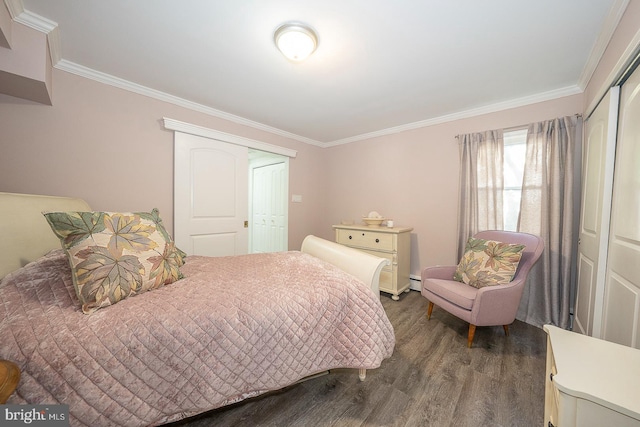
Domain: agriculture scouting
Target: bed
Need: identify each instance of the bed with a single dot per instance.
(231, 328)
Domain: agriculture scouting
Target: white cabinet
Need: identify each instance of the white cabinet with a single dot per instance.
(590, 382)
(393, 243)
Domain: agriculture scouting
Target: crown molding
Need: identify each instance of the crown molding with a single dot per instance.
(55, 45)
(492, 108)
(604, 37)
(38, 23)
(108, 79)
(15, 7)
(178, 126)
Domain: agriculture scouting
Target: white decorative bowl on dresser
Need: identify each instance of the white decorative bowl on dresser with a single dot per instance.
(373, 221)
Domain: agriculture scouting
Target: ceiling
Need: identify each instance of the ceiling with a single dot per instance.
(381, 66)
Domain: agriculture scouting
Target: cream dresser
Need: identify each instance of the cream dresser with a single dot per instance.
(590, 382)
(393, 243)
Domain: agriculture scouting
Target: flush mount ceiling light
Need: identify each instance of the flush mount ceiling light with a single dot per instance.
(296, 41)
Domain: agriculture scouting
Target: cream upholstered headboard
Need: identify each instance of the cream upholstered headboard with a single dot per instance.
(25, 234)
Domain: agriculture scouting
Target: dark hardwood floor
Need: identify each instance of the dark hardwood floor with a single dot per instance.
(432, 379)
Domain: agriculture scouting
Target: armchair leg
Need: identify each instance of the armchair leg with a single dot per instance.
(9, 379)
(506, 329)
(429, 310)
(472, 332)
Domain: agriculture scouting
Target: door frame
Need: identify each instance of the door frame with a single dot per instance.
(188, 128)
(176, 125)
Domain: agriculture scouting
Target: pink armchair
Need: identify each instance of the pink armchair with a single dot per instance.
(487, 306)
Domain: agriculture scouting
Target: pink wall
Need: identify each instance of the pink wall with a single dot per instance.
(412, 177)
(108, 146)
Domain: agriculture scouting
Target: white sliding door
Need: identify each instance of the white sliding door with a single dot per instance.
(210, 196)
(622, 298)
(597, 182)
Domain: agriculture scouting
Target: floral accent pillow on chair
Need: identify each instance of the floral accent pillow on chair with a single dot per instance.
(488, 263)
(116, 255)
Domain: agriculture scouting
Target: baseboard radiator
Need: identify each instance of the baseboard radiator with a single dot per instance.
(416, 282)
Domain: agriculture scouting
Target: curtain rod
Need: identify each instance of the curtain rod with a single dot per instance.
(512, 128)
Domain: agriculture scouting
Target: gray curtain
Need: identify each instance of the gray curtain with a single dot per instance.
(547, 210)
(481, 184)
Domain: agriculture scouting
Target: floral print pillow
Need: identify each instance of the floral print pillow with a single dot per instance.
(116, 255)
(488, 263)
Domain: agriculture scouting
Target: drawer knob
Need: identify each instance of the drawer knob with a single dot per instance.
(350, 237)
(551, 376)
(377, 240)
(550, 424)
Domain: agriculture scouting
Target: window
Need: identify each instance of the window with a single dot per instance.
(514, 156)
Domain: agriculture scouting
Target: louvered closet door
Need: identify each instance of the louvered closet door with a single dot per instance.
(622, 298)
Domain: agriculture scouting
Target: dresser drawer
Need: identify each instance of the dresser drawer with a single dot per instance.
(387, 280)
(366, 239)
(391, 256)
(551, 398)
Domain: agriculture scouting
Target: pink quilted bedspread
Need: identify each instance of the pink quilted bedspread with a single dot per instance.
(233, 328)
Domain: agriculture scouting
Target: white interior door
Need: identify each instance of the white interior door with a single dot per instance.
(597, 178)
(210, 196)
(269, 189)
(622, 298)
